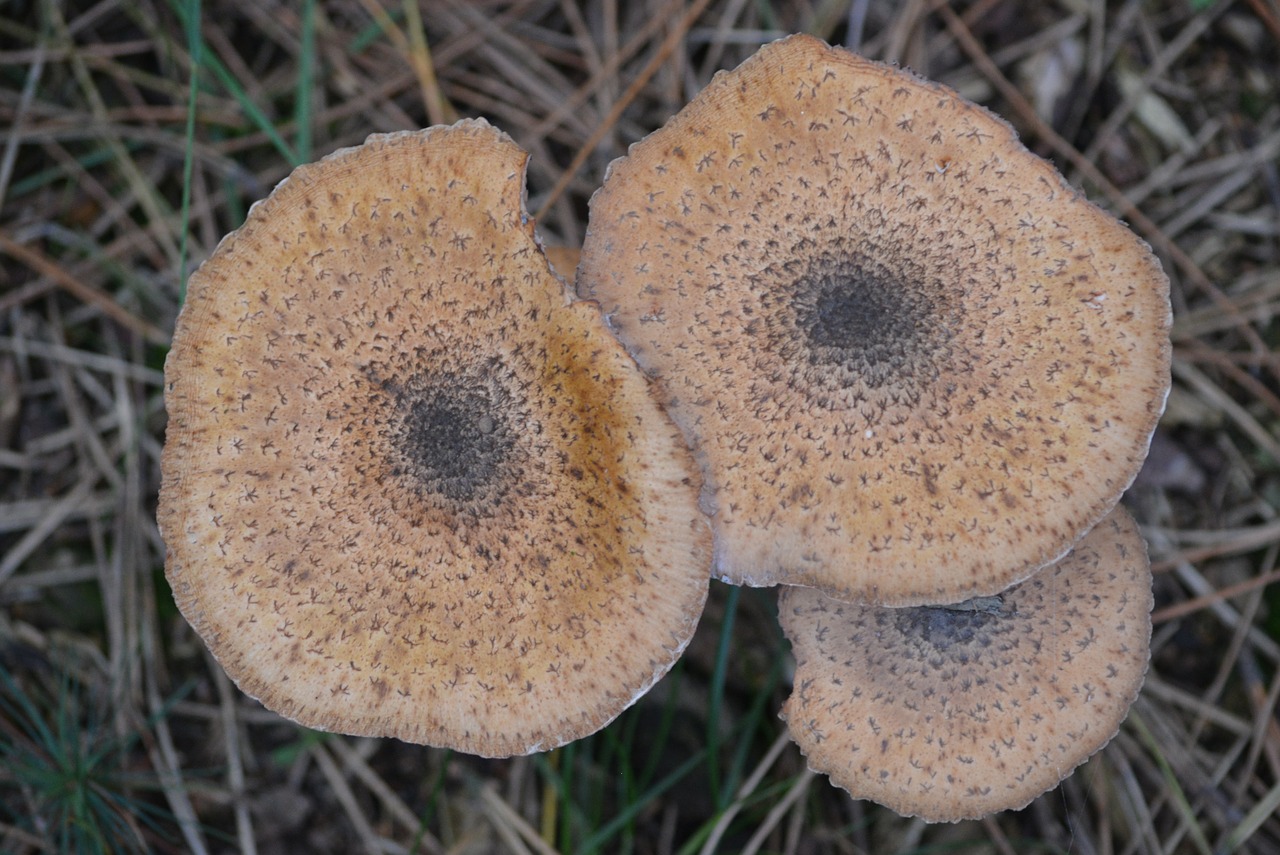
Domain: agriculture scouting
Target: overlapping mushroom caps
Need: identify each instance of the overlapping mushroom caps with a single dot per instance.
(914, 363)
(409, 488)
(948, 713)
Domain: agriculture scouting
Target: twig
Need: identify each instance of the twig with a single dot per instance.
(624, 100)
(88, 359)
(37, 534)
(778, 811)
(1265, 738)
(519, 834)
(748, 787)
(392, 802)
(38, 262)
(439, 110)
(1171, 694)
(1124, 208)
(997, 837)
(1199, 352)
(346, 798)
(1224, 612)
(1267, 16)
(20, 115)
(163, 753)
(235, 767)
(1187, 607)
(606, 72)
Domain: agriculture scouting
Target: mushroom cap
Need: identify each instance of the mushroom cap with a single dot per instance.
(914, 363)
(951, 714)
(409, 488)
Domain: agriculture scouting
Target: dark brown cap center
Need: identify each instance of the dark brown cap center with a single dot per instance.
(452, 439)
(865, 324)
(939, 638)
(857, 318)
(452, 442)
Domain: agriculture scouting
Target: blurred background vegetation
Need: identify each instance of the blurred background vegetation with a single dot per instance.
(135, 133)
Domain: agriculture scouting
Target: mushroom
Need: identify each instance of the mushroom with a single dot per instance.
(914, 363)
(950, 712)
(410, 489)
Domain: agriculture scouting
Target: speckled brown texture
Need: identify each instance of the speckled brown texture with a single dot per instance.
(915, 364)
(409, 489)
(948, 714)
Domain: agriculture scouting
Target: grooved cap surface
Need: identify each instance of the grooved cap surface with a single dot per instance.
(948, 714)
(409, 489)
(914, 363)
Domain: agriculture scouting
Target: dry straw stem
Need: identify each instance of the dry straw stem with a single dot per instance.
(409, 490)
(914, 363)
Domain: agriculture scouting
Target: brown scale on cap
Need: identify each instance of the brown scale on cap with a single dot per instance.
(915, 364)
(948, 713)
(409, 488)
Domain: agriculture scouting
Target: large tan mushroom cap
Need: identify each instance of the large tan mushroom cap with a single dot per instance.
(915, 363)
(948, 714)
(409, 489)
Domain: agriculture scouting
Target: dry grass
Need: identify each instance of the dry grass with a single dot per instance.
(116, 723)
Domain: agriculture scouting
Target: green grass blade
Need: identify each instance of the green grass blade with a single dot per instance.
(1265, 809)
(658, 743)
(232, 86)
(607, 831)
(751, 725)
(306, 78)
(1178, 795)
(720, 796)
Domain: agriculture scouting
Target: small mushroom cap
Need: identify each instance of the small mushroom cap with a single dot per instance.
(409, 489)
(951, 714)
(915, 364)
